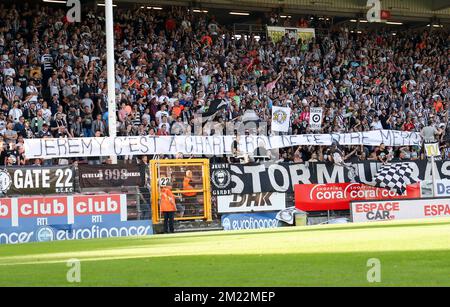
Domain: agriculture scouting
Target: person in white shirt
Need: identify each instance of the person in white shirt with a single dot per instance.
(33, 91)
(8, 71)
(161, 113)
(15, 113)
(376, 124)
(164, 122)
(46, 112)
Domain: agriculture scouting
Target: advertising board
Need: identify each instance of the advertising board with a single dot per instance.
(238, 221)
(45, 218)
(337, 196)
(268, 201)
(400, 209)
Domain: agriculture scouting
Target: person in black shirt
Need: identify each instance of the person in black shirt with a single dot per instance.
(45, 132)
(384, 119)
(382, 154)
(23, 79)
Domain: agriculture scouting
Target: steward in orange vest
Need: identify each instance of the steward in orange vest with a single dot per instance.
(187, 185)
(168, 208)
(167, 200)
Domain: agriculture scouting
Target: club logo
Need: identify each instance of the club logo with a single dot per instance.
(316, 118)
(280, 116)
(45, 234)
(221, 178)
(5, 181)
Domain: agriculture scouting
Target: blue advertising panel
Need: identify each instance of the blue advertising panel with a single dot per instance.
(24, 234)
(257, 220)
(54, 218)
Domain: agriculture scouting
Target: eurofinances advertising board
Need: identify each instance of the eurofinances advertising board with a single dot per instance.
(54, 218)
(239, 221)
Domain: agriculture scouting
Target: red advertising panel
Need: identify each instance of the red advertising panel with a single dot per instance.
(38, 206)
(5, 208)
(96, 204)
(337, 196)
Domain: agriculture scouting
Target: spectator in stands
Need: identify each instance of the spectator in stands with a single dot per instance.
(172, 63)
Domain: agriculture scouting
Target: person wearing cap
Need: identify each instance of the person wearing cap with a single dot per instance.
(168, 207)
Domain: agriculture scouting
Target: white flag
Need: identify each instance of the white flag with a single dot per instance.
(315, 118)
(280, 119)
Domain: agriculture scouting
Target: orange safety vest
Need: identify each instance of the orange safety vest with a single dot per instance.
(187, 186)
(167, 201)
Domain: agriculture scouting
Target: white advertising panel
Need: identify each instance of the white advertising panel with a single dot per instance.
(368, 211)
(257, 202)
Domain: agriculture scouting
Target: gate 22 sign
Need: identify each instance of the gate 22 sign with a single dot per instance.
(37, 180)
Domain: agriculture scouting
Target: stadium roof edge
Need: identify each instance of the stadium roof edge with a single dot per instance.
(415, 10)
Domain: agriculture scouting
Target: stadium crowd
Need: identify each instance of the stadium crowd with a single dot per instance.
(171, 64)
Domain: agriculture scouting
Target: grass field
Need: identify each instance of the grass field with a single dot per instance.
(413, 253)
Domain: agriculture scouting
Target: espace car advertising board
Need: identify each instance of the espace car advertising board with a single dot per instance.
(369, 211)
(337, 196)
(28, 219)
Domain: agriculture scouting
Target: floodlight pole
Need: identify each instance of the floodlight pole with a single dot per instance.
(111, 75)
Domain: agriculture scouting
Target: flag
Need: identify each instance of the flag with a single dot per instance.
(394, 177)
(215, 106)
(287, 215)
(281, 117)
(315, 118)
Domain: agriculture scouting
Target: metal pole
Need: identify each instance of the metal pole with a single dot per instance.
(433, 176)
(109, 25)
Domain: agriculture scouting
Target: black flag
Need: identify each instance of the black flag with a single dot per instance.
(215, 106)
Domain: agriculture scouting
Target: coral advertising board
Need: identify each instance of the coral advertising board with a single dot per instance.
(337, 196)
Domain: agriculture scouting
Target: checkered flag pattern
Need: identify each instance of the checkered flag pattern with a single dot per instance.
(394, 177)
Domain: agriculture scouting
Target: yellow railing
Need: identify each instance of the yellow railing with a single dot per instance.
(155, 166)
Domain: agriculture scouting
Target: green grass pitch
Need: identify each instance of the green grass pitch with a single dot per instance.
(411, 253)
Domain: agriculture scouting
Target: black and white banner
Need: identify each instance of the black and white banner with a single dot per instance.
(281, 177)
(280, 119)
(257, 202)
(125, 175)
(37, 180)
(220, 179)
(204, 145)
(315, 118)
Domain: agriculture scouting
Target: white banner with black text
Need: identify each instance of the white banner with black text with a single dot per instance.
(204, 145)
